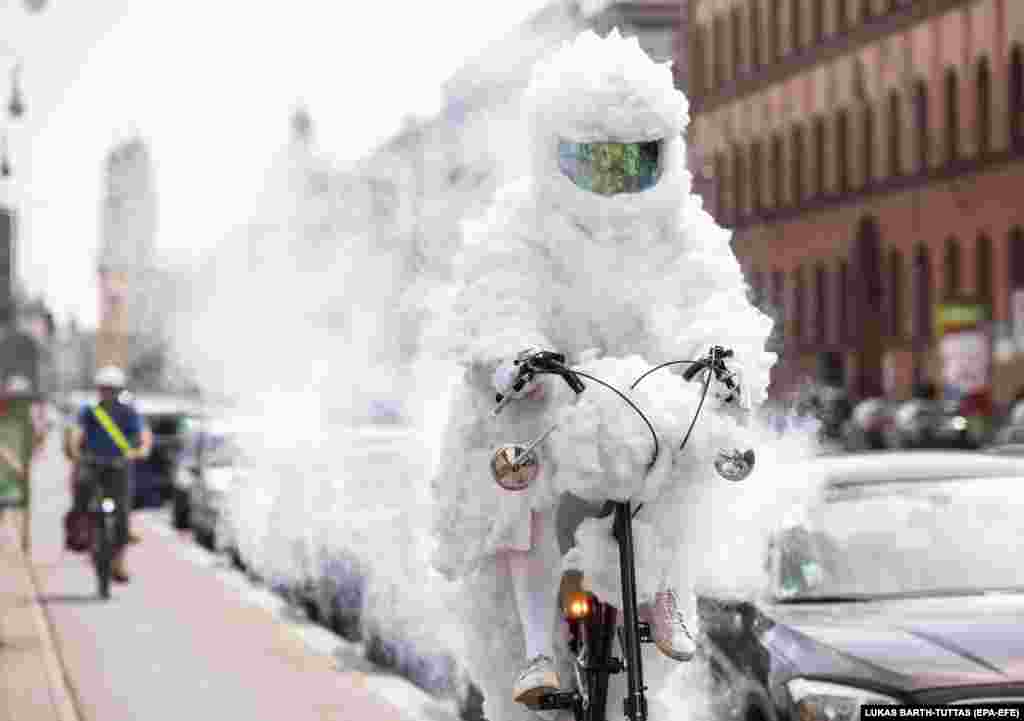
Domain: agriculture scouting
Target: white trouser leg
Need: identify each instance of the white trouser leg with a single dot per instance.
(534, 577)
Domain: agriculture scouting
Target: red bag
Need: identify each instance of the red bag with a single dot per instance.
(78, 528)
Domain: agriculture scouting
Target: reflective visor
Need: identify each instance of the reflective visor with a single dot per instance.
(611, 168)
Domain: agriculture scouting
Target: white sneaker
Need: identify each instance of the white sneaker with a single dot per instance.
(670, 633)
(539, 677)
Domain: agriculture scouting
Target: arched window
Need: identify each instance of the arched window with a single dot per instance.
(699, 61)
(756, 187)
(841, 16)
(798, 306)
(819, 156)
(797, 170)
(720, 205)
(983, 269)
(983, 123)
(778, 171)
(842, 303)
(739, 179)
(795, 24)
(820, 303)
(951, 267)
(755, 34)
(895, 134)
(774, 33)
(1016, 95)
(736, 42)
(779, 302)
(842, 149)
(721, 71)
(952, 116)
(921, 124)
(869, 145)
(922, 295)
(1016, 247)
(896, 272)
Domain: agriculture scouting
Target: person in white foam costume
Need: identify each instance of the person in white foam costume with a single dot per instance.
(618, 276)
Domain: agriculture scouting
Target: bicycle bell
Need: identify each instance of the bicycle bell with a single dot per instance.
(515, 467)
(734, 465)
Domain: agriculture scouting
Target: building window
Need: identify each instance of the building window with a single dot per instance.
(952, 116)
(774, 33)
(820, 303)
(755, 34)
(922, 295)
(798, 306)
(842, 303)
(842, 148)
(896, 293)
(819, 156)
(865, 10)
(921, 124)
(778, 301)
(778, 171)
(841, 16)
(720, 209)
(983, 269)
(736, 42)
(817, 22)
(951, 268)
(795, 29)
(700, 61)
(869, 145)
(756, 187)
(718, 50)
(797, 171)
(895, 134)
(1016, 275)
(739, 179)
(1016, 95)
(983, 122)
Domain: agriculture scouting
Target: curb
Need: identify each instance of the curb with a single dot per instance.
(60, 688)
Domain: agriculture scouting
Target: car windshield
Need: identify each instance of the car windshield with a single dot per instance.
(909, 538)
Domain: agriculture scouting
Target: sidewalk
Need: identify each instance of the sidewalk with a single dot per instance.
(32, 684)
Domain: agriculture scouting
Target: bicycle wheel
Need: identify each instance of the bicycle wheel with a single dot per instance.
(104, 553)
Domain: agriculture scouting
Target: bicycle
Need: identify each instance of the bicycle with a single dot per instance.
(103, 505)
(593, 623)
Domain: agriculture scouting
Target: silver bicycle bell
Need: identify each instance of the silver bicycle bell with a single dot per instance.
(734, 465)
(515, 467)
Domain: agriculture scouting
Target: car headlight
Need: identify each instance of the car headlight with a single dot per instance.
(821, 701)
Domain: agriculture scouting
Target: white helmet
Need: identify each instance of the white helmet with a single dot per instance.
(110, 377)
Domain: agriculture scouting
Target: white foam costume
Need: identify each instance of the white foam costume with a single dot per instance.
(617, 283)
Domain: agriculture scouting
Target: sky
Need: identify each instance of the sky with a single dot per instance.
(210, 86)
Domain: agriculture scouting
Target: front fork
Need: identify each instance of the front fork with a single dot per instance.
(635, 703)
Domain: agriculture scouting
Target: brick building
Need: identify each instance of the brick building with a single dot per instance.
(869, 155)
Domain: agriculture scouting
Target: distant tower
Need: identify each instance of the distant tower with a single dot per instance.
(126, 257)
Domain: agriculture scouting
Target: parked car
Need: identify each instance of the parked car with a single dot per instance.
(169, 418)
(869, 425)
(920, 423)
(217, 464)
(901, 583)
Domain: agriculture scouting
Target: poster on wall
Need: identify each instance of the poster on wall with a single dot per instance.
(965, 351)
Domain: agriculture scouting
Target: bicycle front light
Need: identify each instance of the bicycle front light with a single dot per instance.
(821, 701)
(108, 505)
